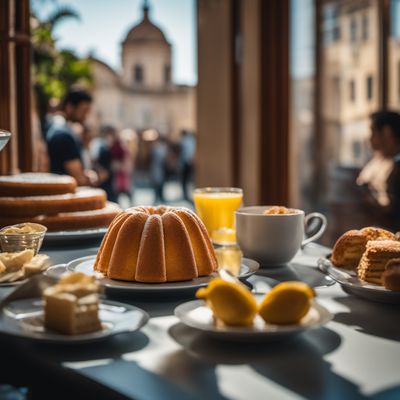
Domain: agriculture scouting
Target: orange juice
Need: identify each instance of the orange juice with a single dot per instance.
(217, 211)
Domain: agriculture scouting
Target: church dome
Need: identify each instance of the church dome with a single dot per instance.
(145, 31)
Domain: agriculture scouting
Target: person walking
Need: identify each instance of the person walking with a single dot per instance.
(187, 151)
(159, 155)
(64, 147)
(103, 160)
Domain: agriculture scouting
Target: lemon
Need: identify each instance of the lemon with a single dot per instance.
(231, 302)
(286, 303)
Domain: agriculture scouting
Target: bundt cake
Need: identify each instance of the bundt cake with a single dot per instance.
(156, 244)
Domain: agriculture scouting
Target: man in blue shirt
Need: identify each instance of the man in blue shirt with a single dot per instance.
(64, 148)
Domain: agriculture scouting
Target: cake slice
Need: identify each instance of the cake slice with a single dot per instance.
(72, 306)
(376, 256)
(350, 247)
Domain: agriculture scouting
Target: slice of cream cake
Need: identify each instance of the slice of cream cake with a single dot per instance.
(72, 305)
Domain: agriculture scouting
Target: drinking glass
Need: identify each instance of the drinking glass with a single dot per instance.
(216, 207)
(4, 138)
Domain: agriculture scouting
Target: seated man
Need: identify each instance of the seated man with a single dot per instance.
(386, 126)
(65, 149)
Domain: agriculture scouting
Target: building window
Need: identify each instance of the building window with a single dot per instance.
(365, 27)
(138, 74)
(352, 91)
(167, 73)
(331, 24)
(353, 29)
(369, 88)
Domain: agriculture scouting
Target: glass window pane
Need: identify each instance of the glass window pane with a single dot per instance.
(302, 72)
(394, 55)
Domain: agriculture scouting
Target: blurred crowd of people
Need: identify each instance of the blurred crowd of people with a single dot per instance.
(107, 158)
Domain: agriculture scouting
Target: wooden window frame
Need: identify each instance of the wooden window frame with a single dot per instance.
(15, 85)
(243, 98)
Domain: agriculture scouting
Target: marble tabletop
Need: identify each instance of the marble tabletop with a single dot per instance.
(356, 355)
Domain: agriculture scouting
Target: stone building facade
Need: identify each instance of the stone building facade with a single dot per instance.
(142, 95)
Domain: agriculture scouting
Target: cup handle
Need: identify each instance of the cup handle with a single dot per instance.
(316, 236)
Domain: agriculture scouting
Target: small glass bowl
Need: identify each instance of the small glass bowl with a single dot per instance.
(4, 138)
(14, 242)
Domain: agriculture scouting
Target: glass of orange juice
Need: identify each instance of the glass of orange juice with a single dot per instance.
(216, 207)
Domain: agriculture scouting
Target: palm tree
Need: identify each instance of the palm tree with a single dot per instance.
(54, 70)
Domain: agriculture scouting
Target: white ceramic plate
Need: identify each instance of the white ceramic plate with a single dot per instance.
(24, 318)
(198, 316)
(85, 265)
(350, 282)
(61, 237)
(11, 284)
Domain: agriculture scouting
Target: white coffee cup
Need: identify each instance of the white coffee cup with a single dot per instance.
(274, 239)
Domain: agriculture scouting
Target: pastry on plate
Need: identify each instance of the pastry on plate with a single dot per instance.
(375, 258)
(71, 306)
(391, 276)
(231, 302)
(287, 303)
(350, 247)
(20, 265)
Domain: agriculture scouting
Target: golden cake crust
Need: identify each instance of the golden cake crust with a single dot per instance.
(83, 200)
(71, 220)
(36, 184)
(391, 276)
(155, 245)
(375, 259)
(350, 247)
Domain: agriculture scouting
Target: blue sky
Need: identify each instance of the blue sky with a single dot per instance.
(302, 39)
(104, 24)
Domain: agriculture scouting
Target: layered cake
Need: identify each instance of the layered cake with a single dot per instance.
(72, 305)
(83, 199)
(350, 247)
(391, 276)
(54, 201)
(71, 220)
(373, 262)
(36, 184)
(156, 244)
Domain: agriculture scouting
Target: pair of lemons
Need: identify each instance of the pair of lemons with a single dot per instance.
(232, 302)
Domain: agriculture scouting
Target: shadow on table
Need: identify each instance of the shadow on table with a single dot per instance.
(297, 272)
(112, 348)
(155, 305)
(371, 318)
(392, 393)
(297, 364)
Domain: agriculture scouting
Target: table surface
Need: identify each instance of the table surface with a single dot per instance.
(356, 355)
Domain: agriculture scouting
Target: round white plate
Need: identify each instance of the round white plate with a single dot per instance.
(61, 237)
(85, 265)
(198, 316)
(11, 284)
(350, 282)
(24, 318)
